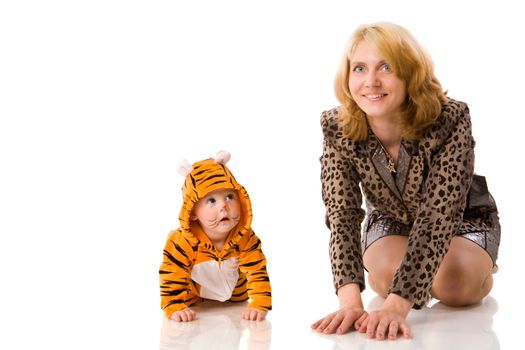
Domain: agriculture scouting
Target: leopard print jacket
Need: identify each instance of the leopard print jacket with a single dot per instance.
(428, 194)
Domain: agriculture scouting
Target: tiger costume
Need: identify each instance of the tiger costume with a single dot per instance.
(193, 269)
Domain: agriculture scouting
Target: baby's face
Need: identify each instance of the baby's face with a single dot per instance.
(218, 213)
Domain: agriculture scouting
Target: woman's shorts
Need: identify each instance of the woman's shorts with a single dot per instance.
(485, 231)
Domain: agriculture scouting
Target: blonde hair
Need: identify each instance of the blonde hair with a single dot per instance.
(410, 63)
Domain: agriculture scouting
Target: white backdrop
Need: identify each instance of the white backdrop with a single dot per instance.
(99, 100)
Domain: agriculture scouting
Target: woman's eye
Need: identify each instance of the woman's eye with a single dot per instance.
(386, 68)
(359, 69)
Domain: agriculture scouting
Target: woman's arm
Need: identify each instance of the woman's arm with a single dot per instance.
(441, 210)
(342, 198)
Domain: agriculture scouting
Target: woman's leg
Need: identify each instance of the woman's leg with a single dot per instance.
(463, 278)
(465, 274)
(381, 259)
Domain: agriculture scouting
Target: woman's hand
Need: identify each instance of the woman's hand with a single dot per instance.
(340, 321)
(389, 321)
(351, 311)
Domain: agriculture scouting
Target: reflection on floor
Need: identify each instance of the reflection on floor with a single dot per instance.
(437, 327)
(219, 326)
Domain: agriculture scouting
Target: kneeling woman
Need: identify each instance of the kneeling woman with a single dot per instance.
(431, 225)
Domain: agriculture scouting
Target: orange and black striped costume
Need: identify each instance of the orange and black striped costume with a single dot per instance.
(188, 251)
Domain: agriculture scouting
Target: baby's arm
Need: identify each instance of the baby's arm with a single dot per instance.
(252, 262)
(253, 314)
(185, 315)
(175, 278)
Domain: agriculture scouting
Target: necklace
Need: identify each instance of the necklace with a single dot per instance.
(391, 166)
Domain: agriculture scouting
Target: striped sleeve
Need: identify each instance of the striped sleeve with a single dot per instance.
(175, 274)
(253, 263)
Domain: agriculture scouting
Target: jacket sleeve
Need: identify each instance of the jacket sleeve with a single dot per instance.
(441, 209)
(175, 274)
(252, 263)
(342, 199)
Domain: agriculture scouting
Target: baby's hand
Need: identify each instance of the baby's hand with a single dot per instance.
(185, 315)
(252, 314)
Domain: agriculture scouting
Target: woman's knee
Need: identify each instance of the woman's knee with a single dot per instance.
(460, 287)
(380, 277)
(382, 260)
(464, 276)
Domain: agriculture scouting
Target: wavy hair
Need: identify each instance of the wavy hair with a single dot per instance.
(410, 62)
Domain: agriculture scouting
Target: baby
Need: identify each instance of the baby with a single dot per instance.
(214, 254)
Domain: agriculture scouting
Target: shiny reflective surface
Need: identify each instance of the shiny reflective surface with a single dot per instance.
(219, 326)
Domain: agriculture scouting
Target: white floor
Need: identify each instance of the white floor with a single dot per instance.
(438, 327)
(117, 307)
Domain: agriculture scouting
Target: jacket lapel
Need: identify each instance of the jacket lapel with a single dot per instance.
(369, 155)
(380, 161)
(413, 179)
(404, 187)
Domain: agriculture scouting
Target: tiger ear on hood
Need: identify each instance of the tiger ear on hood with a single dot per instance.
(184, 168)
(222, 157)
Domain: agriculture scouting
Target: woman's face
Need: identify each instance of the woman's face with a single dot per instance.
(373, 85)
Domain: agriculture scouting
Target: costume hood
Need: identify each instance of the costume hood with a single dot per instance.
(205, 176)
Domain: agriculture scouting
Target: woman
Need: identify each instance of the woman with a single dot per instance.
(431, 227)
